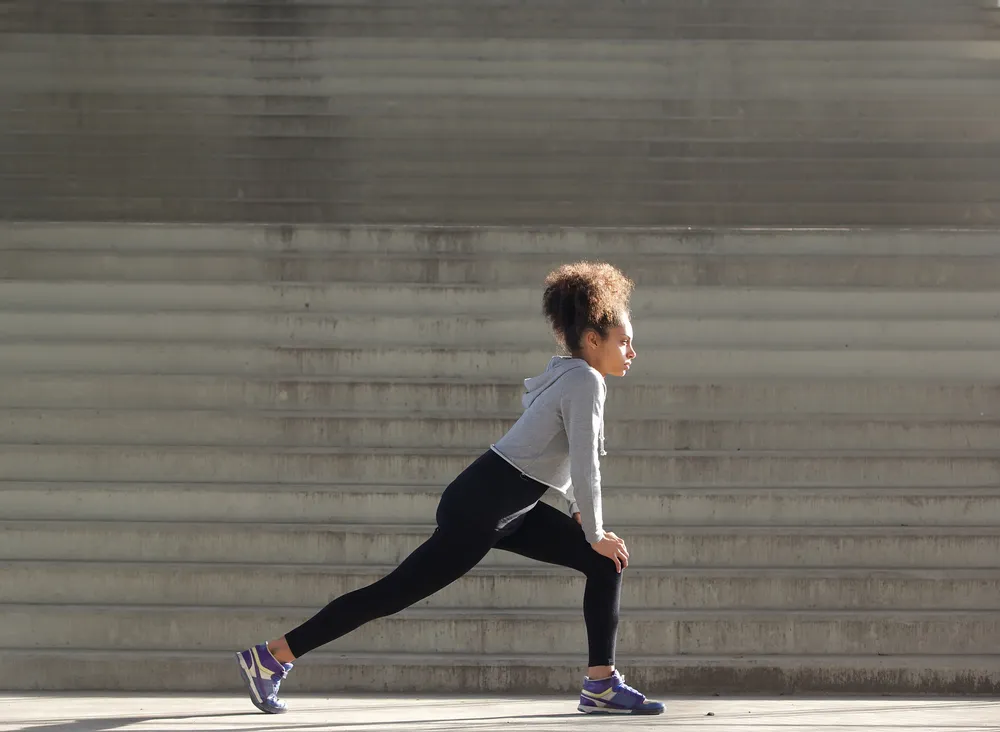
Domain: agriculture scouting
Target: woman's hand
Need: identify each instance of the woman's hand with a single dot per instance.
(610, 546)
(613, 548)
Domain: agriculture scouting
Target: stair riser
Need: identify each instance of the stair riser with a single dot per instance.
(128, 583)
(291, 465)
(501, 397)
(337, 300)
(442, 243)
(506, 124)
(369, 504)
(931, 273)
(232, 629)
(652, 547)
(691, 364)
(301, 430)
(465, 332)
(196, 673)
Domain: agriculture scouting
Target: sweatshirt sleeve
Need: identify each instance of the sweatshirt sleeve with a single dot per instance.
(582, 404)
(574, 507)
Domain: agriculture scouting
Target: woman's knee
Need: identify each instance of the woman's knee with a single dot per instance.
(604, 570)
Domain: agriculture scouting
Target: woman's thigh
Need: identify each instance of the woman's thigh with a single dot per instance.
(549, 535)
(488, 496)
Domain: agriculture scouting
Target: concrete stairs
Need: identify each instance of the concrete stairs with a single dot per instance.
(559, 112)
(206, 432)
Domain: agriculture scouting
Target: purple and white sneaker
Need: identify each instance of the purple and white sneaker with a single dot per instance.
(613, 696)
(262, 674)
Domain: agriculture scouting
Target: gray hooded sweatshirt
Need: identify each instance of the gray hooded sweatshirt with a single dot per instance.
(559, 438)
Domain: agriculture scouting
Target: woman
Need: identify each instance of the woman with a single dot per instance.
(494, 503)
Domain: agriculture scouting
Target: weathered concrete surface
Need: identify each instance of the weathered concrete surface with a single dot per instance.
(208, 432)
(684, 112)
(97, 713)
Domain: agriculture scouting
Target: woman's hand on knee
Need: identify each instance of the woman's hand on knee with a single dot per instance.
(614, 549)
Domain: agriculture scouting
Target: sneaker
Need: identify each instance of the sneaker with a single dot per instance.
(263, 674)
(613, 696)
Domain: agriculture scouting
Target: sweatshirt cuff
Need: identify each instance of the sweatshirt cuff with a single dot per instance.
(592, 538)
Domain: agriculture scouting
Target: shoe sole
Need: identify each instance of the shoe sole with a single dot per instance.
(608, 710)
(252, 688)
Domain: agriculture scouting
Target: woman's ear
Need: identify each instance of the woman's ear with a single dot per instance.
(594, 338)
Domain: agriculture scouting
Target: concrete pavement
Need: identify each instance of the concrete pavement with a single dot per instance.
(121, 713)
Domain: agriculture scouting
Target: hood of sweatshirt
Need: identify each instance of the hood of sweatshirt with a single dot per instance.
(558, 367)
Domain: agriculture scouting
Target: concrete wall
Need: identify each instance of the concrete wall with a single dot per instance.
(707, 112)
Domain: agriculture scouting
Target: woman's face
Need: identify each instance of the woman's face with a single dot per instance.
(612, 356)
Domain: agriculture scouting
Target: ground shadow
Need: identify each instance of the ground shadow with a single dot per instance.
(104, 724)
(107, 724)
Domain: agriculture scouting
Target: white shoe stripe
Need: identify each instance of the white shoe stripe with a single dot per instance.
(249, 677)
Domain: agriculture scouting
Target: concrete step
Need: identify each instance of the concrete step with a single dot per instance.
(529, 586)
(446, 242)
(647, 190)
(425, 466)
(631, 81)
(496, 330)
(710, 546)
(188, 206)
(920, 111)
(446, 21)
(548, 179)
(460, 395)
(184, 670)
(250, 56)
(176, 357)
(718, 62)
(504, 125)
(522, 188)
(395, 146)
(222, 53)
(390, 504)
(552, 157)
(427, 300)
(799, 271)
(823, 6)
(112, 79)
(647, 20)
(321, 199)
(517, 631)
(903, 9)
(322, 22)
(360, 50)
(340, 428)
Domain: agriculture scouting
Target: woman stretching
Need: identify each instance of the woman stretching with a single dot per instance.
(494, 503)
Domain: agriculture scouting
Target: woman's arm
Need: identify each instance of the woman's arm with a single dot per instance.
(582, 405)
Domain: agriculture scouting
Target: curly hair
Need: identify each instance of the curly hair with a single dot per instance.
(582, 296)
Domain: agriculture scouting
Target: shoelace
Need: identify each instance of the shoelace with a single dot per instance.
(276, 680)
(625, 687)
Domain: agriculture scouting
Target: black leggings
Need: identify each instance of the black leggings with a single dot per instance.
(489, 505)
